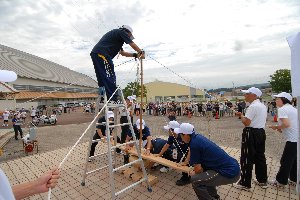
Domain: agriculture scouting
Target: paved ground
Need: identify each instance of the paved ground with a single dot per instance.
(54, 142)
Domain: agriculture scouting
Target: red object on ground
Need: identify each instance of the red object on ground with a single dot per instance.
(275, 118)
(217, 115)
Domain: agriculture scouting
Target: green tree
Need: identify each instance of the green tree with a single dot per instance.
(134, 88)
(281, 81)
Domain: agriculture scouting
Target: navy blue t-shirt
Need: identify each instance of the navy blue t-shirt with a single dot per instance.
(212, 157)
(111, 43)
(158, 144)
(145, 132)
(179, 144)
(103, 126)
(14, 120)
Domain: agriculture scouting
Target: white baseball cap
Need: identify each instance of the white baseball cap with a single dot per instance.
(172, 125)
(253, 90)
(110, 114)
(285, 95)
(137, 123)
(185, 128)
(127, 27)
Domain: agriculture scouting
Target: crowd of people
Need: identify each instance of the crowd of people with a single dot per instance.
(201, 109)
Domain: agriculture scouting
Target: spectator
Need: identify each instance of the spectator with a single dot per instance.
(23, 115)
(5, 118)
(17, 126)
(288, 125)
(253, 141)
(33, 113)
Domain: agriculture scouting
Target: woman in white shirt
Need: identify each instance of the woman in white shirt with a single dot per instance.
(5, 118)
(288, 125)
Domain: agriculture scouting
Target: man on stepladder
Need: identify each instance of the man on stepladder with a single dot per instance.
(105, 50)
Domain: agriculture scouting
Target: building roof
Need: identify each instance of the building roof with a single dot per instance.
(5, 88)
(53, 95)
(33, 67)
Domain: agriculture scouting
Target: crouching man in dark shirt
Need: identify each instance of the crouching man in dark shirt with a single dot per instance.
(212, 165)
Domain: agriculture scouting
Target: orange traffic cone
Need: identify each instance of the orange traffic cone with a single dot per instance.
(275, 118)
(217, 115)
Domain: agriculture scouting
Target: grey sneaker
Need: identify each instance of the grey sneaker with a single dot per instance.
(262, 185)
(292, 183)
(276, 184)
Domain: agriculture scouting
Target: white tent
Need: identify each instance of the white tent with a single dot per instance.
(294, 43)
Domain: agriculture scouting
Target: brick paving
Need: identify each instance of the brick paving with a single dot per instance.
(56, 140)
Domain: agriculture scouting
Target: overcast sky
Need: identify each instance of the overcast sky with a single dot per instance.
(209, 44)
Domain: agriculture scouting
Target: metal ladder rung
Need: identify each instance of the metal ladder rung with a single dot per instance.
(128, 164)
(97, 169)
(119, 145)
(124, 124)
(130, 186)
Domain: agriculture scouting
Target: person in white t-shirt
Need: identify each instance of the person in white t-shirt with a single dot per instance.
(253, 141)
(40, 185)
(5, 118)
(23, 115)
(33, 113)
(288, 125)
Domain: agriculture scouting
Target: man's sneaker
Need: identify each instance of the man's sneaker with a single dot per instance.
(164, 169)
(183, 181)
(292, 183)
(262, 185)
(241, 187)
(90, 159)
(276, 184)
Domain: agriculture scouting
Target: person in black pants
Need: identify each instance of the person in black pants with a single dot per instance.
(101, 132)
(287, 124)
(17, 127)
(253, 141)
(124, 119)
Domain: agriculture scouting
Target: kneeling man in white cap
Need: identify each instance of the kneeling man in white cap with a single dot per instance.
(212, 165)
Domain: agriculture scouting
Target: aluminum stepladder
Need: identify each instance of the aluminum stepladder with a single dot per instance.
(112, 147)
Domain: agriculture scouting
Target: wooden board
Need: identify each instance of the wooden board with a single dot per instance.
(161, 161)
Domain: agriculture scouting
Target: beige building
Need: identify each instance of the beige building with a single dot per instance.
(159, 91)
(42, 82)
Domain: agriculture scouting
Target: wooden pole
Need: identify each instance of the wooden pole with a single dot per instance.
(141, 106)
